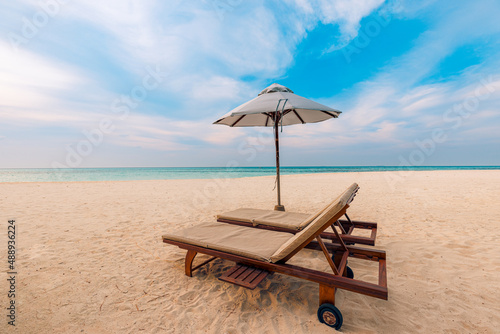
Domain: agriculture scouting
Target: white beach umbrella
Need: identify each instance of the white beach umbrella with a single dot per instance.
(274, 106)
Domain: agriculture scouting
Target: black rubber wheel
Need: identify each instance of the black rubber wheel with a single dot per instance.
(350, 273)
(329, 315)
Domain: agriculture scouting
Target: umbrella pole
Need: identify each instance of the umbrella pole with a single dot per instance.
(278, 207)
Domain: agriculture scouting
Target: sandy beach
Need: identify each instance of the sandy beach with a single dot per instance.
(90, 258)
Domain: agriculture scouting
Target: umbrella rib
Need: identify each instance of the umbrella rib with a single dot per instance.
(300, 118)
(239, 119)
(269, 117)
(330, 114)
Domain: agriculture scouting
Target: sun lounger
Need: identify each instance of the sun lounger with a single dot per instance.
(258, 252)
(294, 222)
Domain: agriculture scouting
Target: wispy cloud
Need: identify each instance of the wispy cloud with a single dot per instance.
(345, 14)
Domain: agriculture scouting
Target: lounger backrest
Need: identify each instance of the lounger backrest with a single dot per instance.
(315, 227)
(353, 188)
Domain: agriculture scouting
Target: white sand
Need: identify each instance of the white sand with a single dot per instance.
(91, 259)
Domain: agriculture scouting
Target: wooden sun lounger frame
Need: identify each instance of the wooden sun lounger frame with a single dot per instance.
(335, 253)
(346, 226)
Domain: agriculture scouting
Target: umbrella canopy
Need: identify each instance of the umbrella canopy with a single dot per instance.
(294, 109)
(274, 106)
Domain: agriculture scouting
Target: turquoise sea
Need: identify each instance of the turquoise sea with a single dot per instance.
(165, 173)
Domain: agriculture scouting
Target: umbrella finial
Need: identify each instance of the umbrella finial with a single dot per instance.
(276, 88)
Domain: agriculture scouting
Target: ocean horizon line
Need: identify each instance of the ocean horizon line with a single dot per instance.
(175, 173)
(302, 166)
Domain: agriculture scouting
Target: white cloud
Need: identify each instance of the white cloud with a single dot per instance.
(346, 14)
(25, 73)
(164, 134)
(33, 89)
(424, 98)
(205, 90)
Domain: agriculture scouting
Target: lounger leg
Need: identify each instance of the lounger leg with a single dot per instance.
(326, 294)
(191, 254)
(327, 312)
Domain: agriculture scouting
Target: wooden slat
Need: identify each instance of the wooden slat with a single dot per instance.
(259, 278)
(245, 276)
(240, 271)
(232, 273)
(232, 270)
(256, 275)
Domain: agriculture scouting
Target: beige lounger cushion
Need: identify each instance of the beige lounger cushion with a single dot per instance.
(314, 226)
(239, 240)
(351, 190)
(289, 220)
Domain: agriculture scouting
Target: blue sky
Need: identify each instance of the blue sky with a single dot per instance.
(139, 83)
